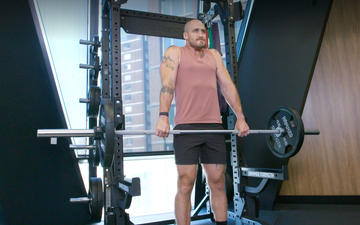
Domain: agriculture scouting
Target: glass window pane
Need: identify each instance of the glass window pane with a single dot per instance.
(189, 6)
(167, 43)
(177, 8)
(166, 7)
(179, 42)
(158, 178)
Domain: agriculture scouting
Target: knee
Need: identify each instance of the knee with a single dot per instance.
(185, 187)
(217, 184)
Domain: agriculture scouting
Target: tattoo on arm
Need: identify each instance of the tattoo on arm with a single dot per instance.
(168, 62)
(167, 88)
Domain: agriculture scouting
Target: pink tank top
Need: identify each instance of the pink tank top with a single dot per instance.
(196, 96)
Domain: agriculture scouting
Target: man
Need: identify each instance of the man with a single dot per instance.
(192, 72)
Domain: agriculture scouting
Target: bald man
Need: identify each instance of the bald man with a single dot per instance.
(192, 72)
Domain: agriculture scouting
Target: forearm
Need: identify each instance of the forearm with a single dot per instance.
(166, 97)
(232, 98)
(165, 102)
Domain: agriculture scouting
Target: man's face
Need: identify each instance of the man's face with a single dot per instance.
(196, 34)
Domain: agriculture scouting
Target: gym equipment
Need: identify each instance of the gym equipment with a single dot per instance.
(92, 101)
(94, 199)
(288, 145)
(285, 132)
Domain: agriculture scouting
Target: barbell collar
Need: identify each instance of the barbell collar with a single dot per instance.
(80, 200)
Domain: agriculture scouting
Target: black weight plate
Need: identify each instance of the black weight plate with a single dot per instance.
(106, 122)
(96, 154)
(93, 105)
(289, 144)
(97, 199)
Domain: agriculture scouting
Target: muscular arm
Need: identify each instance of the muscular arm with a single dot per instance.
(168, 70)
(230, 93)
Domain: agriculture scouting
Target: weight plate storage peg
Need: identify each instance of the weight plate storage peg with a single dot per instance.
(289, 143)
(97, 199)
(107, 124)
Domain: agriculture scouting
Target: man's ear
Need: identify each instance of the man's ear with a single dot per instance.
(185, 35)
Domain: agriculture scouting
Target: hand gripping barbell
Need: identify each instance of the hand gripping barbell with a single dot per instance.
(284, 136)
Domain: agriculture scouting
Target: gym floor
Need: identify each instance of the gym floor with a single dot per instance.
(290, 214)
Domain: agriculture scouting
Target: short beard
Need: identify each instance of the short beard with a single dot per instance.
(197, 46)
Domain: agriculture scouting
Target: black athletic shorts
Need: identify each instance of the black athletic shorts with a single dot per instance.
(199, 148)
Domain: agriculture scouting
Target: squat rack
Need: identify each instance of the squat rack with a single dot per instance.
(118, 191)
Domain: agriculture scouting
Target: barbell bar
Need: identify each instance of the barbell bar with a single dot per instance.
(284, 132)
(90, 132)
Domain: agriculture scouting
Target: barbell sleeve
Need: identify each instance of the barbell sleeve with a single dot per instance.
(80, 200)
(312, 132)
(81, 146)
(65, 133)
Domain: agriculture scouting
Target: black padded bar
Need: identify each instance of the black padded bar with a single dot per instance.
(153, 24)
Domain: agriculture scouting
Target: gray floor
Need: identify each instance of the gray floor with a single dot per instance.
(286, 214)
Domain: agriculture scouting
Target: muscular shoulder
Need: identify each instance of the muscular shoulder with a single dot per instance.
(173, 53)
(216, 55)
(173, 49)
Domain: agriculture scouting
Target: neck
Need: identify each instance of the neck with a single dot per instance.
(194, 50)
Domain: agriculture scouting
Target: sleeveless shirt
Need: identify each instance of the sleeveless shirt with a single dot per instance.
(196, 95)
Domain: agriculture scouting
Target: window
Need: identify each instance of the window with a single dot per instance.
(126, 46)
(177, 7)
(128, 141)
(127, 66)
(128, 119)
(127, 87)
(127, 98)
(127, 56)
(127, 77)
(128, 109)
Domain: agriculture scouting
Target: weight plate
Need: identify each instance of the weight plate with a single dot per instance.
(96, 196)
(288, 144)
(96, 154)
(106, 122)
(93, 105)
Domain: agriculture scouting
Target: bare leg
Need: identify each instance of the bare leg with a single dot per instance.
(186, 179)
(216, 181)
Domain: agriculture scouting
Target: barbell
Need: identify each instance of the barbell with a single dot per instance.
(284, 136)
(278, 132)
